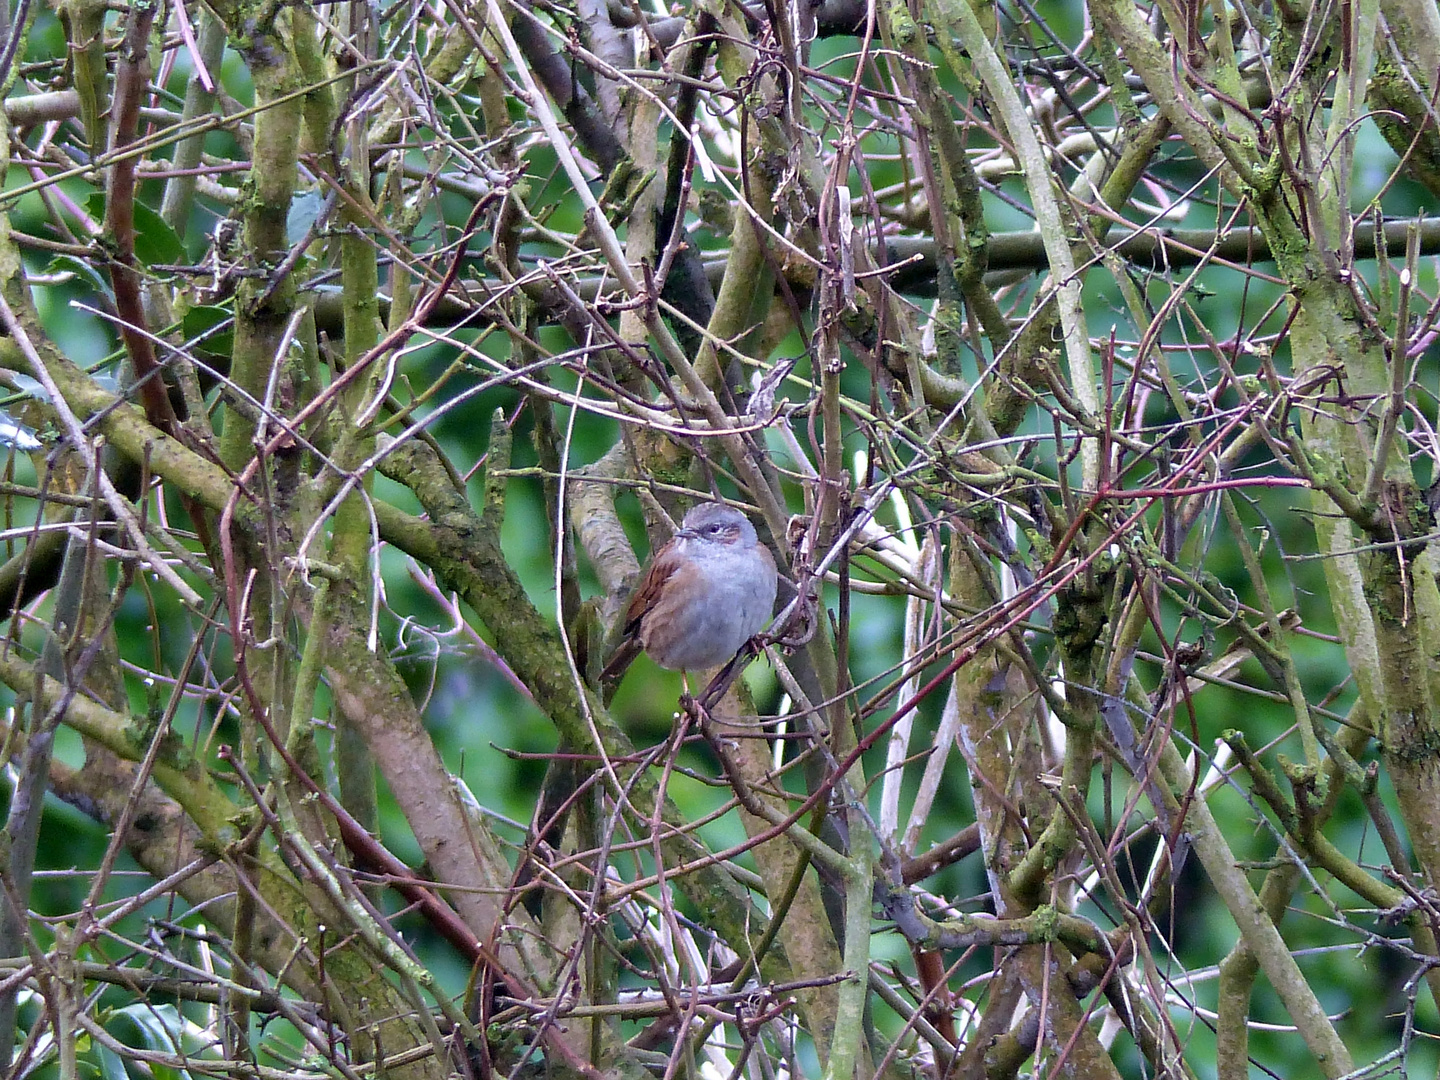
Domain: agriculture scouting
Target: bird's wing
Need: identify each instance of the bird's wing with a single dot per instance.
(665, 565)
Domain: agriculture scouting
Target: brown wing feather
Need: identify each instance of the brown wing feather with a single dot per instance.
(649, 593)
(652, 588)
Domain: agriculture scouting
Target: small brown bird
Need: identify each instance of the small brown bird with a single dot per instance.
(707, 592)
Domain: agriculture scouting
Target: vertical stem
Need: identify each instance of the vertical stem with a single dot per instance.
(845, 1048)
(179, 195)
(1047, 218)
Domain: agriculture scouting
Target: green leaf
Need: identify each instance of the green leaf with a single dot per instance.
(204, 317)
(217, 327)
(155, 242)
(305, 208)
(161, 1028)
(85, 271)
(102, 1063)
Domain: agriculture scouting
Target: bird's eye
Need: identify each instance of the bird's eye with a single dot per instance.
(716, 528)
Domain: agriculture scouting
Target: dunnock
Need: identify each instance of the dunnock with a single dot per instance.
(706, 593)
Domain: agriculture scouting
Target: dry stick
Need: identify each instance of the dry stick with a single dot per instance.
(609, 244)
(142, 982)
(1260, 934)
(1047, 217)
(365, 846)
(166, 137)
(131, 80)
(76, 431)
(120, 829)
(321, 401)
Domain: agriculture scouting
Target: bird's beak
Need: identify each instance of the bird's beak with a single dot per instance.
(687, 534)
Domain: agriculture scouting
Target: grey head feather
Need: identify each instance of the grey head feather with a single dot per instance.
(703, 519)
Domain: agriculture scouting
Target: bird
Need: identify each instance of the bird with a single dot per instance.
(707, 592)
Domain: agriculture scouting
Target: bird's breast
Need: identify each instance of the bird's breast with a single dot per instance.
(733, 596)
